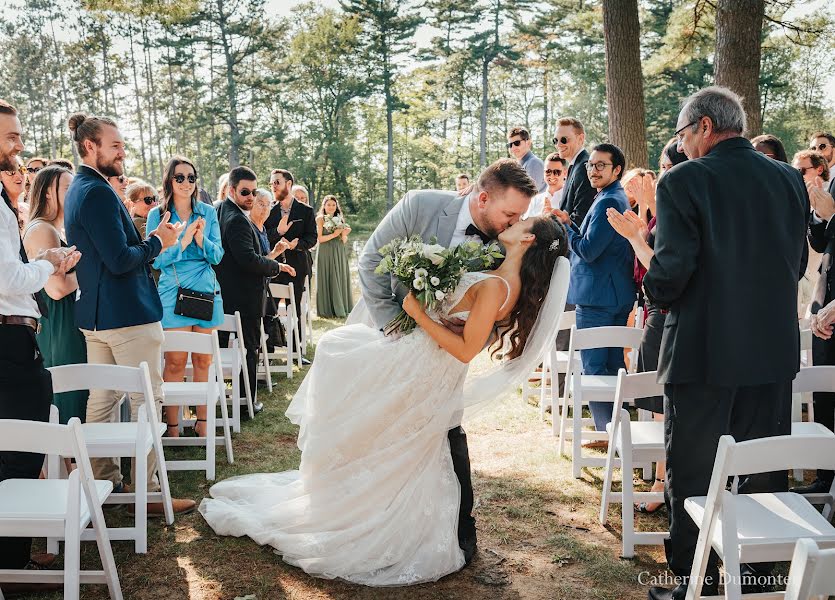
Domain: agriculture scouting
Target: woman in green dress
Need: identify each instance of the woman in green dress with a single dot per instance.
(60, 341)
(333, 277)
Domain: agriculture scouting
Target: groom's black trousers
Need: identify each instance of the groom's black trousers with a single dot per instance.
(695, 417)
(461, 464)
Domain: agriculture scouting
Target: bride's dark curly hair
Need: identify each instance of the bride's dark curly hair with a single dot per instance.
(535, 273)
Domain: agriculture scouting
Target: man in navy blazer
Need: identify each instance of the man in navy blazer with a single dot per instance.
(118, 309)
(601, 285)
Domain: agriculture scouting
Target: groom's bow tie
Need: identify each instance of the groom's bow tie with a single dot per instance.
(473, 230)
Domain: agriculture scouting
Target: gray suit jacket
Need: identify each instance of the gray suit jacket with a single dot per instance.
(426, 213)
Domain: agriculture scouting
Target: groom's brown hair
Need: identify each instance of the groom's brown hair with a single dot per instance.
(507, 173)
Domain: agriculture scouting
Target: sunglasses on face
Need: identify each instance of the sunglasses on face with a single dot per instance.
(514, 143)
(179, 178)
(246, 192)
(804, 169)
(21, 169)
(149, 200)
(820, 147)
(555, 172)
(560, 140)
(33, 170)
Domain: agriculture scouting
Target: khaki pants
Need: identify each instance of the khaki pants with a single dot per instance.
(127, 347)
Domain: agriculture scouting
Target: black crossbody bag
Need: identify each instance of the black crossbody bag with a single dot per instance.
(193, 304)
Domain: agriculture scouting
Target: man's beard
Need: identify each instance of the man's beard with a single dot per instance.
(282, 195)
(8, 162)
(111, 169)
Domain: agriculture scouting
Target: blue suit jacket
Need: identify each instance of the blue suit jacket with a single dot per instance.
(114, 276)
(601, 260)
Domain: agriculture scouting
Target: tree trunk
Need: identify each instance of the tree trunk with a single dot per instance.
(153, 122)
(64, 93)
(136, 95)
(624, 80)
(485, 71)
(231, 91)
(739, 25)
(389, 134)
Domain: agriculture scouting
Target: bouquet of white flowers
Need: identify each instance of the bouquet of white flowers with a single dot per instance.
(332, 223)
(431, 271)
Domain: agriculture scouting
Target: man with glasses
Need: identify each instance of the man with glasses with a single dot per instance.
(556, 171)
(578, 195)
(824, 143)
(519, 144)
(245, 269)
(295, 223)
(728, 256)
(601, 284)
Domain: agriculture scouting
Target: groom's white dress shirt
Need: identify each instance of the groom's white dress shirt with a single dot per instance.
(465, 219)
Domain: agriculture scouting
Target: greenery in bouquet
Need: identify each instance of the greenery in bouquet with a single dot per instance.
(431, 271)
(333, 222)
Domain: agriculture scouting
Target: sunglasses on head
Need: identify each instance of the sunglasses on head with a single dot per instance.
(246, 192)
(560, 140)
(179, 178)
(819, 147)
(149, 200)
(514, 143)
(556, 172)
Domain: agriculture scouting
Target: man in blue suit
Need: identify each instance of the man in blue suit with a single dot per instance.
(119, 309)
(601, 268)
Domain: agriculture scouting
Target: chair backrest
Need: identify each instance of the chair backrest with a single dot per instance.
(231, 323)
(73, 378)
(188, 341)
(814, 379)
(41, 438)
(812, 573)
(568, 319)
(632, 386)
(282, 291)
(605, 337)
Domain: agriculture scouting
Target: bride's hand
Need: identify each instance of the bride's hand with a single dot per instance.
(412, 307)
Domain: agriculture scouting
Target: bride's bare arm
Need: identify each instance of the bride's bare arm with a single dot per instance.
(489, 296)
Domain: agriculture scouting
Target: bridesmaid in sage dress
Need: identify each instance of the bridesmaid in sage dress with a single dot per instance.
(60, 341)
(333, 276)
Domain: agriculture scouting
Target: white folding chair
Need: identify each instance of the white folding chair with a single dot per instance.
(286, 311)
(136, 440)
(264, 371)
(234, 364)
(583, 389)
(808, 381)
(632, 443)
(307, 321)
(753, 528)
(799, 400)
(56, 508)
(198, 393)
(812, 573)
(554, 363)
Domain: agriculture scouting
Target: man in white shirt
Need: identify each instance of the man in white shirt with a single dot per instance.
(556, 171)
(25, 385)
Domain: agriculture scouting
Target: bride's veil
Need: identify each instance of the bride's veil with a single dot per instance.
(482, 389)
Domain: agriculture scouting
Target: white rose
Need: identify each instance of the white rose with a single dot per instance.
(421, 273)
(434, 253)
(418, 284)
(439, 295)
(435, 281)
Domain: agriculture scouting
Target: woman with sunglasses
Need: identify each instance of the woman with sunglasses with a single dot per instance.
(13, 182)
(59, 339)
(120, 184)
(142, 197)
(187, 264)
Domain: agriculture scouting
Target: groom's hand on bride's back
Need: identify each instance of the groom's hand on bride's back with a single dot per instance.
(456, 326)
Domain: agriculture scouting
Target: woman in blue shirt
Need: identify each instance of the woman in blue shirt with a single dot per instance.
(187, 264)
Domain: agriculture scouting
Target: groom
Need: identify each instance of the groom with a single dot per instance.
(499, 199)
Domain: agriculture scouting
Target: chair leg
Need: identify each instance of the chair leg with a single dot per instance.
(236, 399)
(627, 507)
(607, 482)
(140, 522)
(249, 392)
(72, 558)
(227, 435)
(211, 432)
(266, 358)
(108, 563)
(577, 439)
(165, 487)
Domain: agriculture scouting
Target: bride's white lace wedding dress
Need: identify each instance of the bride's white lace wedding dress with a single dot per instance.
(375, 500)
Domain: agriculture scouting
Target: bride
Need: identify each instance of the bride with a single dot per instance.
(375, 500)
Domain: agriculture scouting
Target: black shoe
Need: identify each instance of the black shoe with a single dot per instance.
(468, 546)
(755, 582)
(818, 486)
(305, 362)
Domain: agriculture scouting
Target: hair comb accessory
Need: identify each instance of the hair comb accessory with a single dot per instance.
(555, 245)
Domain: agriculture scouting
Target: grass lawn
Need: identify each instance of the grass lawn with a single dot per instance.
(538, 532)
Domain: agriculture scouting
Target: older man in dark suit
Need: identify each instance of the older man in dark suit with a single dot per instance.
(728, 255)
(245, 269)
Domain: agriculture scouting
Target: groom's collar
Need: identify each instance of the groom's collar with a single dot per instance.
(465, 217)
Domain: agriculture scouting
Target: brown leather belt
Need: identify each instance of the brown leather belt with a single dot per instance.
(14, 320)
